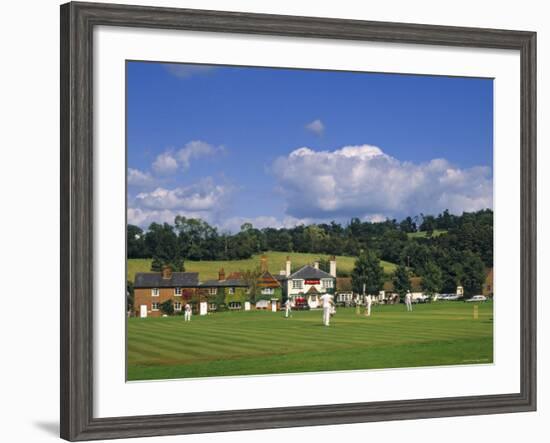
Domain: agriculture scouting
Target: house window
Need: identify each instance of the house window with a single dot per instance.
(154, 306)
(212, 306)
(327, 283)
(212, 291)
(235, 305)
(297, 284)
(268, 291)
(177, 306)
(177, 292)
(155, 292)
(231, 290)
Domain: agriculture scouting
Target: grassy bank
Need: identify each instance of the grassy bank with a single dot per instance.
(276, 261)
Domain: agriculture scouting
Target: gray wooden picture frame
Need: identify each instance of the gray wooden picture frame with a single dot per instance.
(77, 23)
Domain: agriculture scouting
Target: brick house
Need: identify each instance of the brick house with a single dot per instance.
(231, 291)
(270, 289)
(153, 288)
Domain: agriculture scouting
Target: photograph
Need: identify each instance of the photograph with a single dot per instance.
(285, 220)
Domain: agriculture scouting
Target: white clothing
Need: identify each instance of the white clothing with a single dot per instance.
(326, 299)
(408, 301)
(369, 303)
(287, 308)
(326, 316)
(187, 313)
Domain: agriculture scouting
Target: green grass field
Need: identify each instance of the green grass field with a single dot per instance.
(260, 342)
(423, 234)
(276, 261)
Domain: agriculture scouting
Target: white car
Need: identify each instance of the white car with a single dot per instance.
(478, 298)
(420, 298)
(448, 297)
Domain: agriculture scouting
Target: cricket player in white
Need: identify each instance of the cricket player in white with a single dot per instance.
(408, 301)
(369, 304)
(287, 308)
(187, 313)
(326, 299)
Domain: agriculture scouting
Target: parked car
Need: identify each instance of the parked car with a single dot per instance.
(421, 298)
(447, 297)
(478, 298)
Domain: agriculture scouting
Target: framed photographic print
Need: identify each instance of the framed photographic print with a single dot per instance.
(337, 214)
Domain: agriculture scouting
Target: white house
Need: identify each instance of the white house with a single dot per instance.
(309, 283)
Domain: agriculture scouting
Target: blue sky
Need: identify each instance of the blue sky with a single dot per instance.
(279, 147)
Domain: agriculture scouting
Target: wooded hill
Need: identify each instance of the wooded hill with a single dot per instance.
(458, 247)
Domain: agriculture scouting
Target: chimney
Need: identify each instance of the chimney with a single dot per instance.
(166, 272)
(221, 274)
(263, 263)
(287, 266)
(333, 266)
(316, 264)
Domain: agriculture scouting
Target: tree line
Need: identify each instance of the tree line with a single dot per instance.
(460, 255)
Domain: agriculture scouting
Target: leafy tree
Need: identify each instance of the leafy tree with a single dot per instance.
(315, 238)
(445, 220)
(473, 273)
(432, 278)
(428, 224)
(324, 264)
(156, 264)
(163, 242)
(250, 277)
(135, 243)
(401, 280)
(277, 239)
(392, 243)
(167, 307)
(416, 255)
(129, 296)
(407, 225)
(367, 271)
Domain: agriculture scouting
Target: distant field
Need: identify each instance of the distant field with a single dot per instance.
(423, 234)
(275, 260)
(261, 342)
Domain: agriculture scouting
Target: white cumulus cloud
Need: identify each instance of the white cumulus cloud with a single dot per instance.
(196, 149)
(170, 161)
(204, 199)
(202, 196)
(144, 217)
(316, 126)
(362, 181)
(165, 163)
(139, 178)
